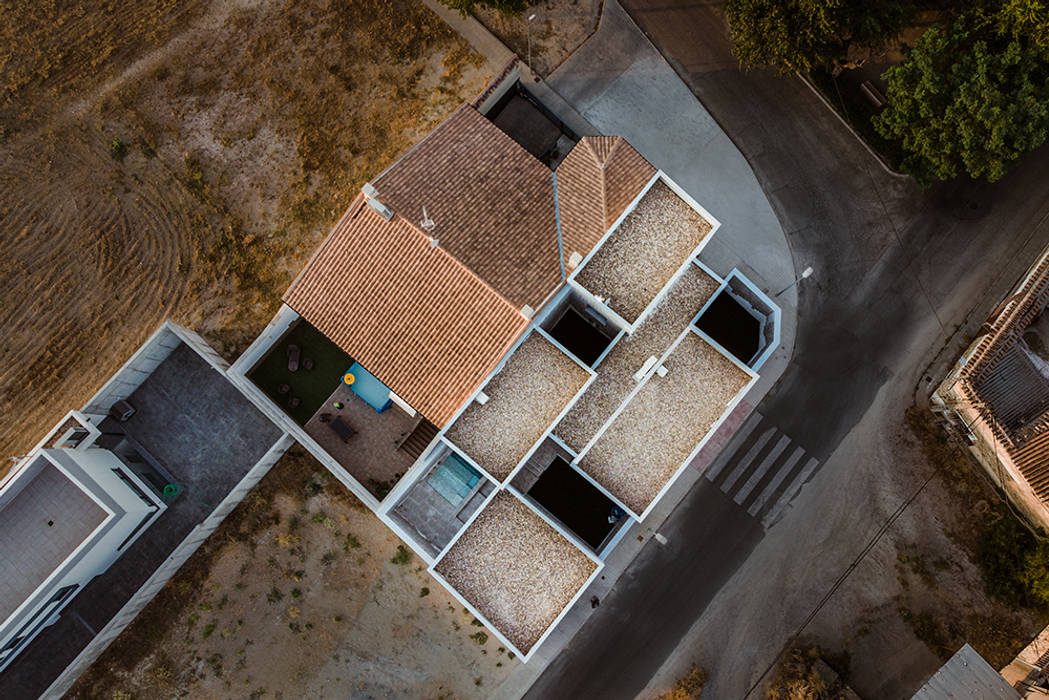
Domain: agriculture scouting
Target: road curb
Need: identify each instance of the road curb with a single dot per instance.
(845, 122)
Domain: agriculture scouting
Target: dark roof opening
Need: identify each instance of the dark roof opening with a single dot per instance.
(580, 337)
(732, 327)
(577, 503)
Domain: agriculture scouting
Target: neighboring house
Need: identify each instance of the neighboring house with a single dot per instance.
(511, 364)
(966, 676)
(998, 393)
(104, 510)
(66, 515)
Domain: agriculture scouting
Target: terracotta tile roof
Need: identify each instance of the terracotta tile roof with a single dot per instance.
(997, 367)
(492, 202)
(595, 183)
(411, 314)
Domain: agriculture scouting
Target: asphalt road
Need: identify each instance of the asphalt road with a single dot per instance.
(899, 271)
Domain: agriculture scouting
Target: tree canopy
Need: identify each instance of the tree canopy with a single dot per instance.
(967, 99)
(799, 35)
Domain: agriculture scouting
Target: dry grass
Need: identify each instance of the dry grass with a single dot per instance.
(514, 568)
(688, 687)
(183, 160)
(293, 596)
(559, 28)
(526, 396)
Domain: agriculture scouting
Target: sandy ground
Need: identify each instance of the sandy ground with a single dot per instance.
(314, 601)
(559, 28)
(161, 160)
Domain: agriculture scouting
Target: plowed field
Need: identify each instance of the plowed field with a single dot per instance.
(183, 159)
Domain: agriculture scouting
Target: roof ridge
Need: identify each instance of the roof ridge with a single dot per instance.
(616, 141)
(455, 261)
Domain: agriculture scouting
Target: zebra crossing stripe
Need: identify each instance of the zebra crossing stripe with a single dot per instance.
(767, 494)
(770, 460)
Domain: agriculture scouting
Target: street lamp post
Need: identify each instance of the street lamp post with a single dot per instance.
(807, 272)
(528, 31)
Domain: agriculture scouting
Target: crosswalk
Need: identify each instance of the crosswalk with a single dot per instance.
(765, 473)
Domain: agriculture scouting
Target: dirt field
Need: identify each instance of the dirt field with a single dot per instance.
(302, 592)
(559, 28)
(183, 159)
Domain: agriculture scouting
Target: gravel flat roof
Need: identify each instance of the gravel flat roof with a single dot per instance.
(647, 443)
(634, 263)
(536, 383)
(516, 569)
(615, 374)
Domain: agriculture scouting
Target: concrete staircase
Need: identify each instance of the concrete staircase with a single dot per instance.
(421, 435)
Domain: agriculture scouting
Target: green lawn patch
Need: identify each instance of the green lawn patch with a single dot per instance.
(312, 386)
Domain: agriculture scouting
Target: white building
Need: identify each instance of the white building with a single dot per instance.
(67, 513)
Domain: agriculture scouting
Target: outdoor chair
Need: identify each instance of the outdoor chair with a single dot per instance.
(293, 358)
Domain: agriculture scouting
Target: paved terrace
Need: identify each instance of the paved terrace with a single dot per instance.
(208, 436)
(519, 572)
(536, 383)
(636, 262)
(372, 455)
(648, 442)
(615, 374)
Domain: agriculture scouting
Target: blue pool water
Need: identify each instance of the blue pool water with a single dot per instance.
(365, 385)
(454, 479)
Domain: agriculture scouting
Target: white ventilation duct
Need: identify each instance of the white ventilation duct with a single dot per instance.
(370, 196)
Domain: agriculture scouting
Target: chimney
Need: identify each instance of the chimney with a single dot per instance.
(371, 197)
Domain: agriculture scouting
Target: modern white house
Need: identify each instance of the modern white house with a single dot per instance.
(66, 515)
(510, 361)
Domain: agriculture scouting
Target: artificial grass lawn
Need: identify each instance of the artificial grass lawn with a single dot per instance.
(312, 386)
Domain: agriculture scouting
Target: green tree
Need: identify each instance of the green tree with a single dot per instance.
(966, 100)
(507, 7)
(799, 35)
(1025, 20)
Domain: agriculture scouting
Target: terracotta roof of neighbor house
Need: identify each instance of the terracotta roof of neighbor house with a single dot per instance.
(410, 313)
(999, 365)
(595, 183)
(492, 202)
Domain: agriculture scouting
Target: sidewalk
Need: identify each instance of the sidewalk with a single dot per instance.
(617, 83)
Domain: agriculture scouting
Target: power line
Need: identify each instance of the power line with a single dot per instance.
(841, 579)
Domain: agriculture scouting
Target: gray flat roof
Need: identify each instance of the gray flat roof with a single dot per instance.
(41, 525)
